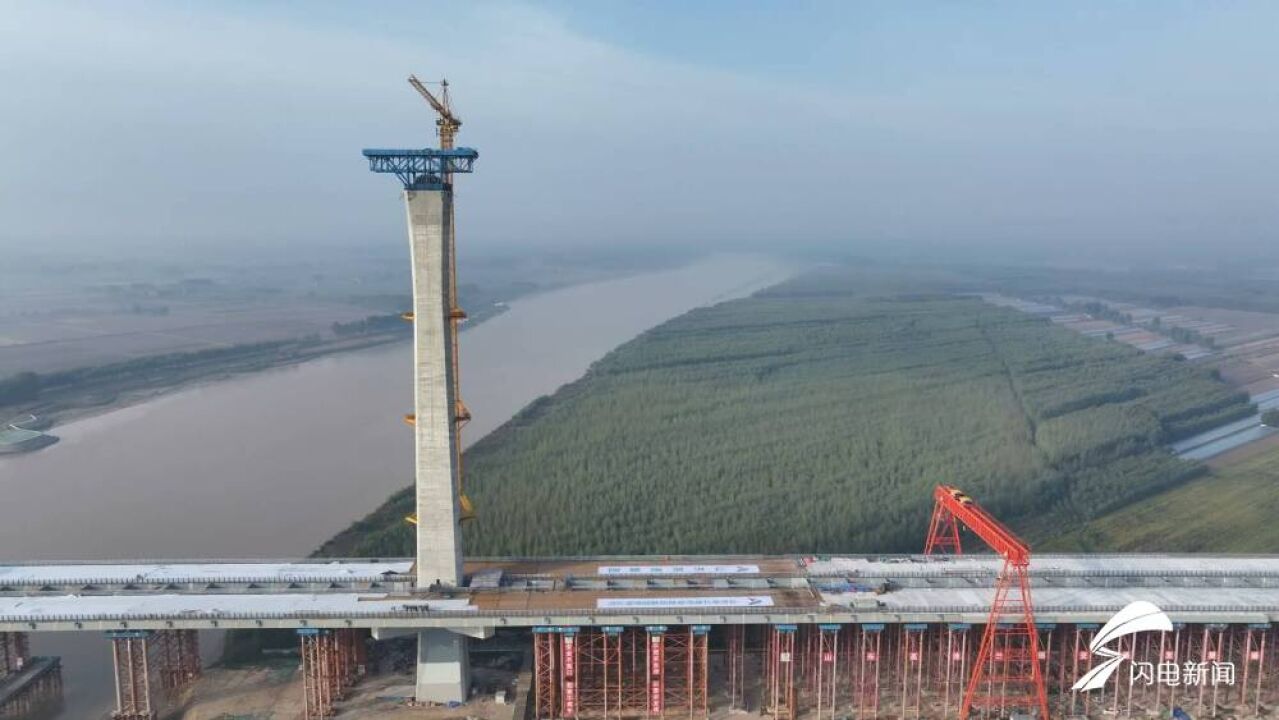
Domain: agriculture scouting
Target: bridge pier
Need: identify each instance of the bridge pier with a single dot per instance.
(443, 667)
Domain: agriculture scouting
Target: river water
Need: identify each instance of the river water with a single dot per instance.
(270, 465)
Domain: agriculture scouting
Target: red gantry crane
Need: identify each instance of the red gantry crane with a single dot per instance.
(1007, 673)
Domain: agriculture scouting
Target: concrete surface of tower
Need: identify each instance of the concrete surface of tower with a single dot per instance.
(439, 414)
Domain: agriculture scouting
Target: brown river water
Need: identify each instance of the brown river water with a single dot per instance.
(272, 464)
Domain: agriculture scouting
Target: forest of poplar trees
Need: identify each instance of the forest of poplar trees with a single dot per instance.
(811, 418)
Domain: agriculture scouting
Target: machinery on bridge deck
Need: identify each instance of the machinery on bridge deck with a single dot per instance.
(1009, 657)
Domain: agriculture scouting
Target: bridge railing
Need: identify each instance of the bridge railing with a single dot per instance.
(204, 580)
(407, 614)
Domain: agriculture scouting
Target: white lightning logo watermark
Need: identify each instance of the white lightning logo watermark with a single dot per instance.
(1136, 617)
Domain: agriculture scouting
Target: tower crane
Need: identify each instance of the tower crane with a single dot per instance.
(1009, 653)
(447, 125)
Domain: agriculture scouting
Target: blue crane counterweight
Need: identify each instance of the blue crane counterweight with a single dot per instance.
(424, 169)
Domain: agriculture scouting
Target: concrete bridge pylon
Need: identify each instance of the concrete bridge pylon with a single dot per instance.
(438, 411)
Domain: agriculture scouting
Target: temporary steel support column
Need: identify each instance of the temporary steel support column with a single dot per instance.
(780, 695)
(1253, 660)
(14, 652)
(320, 672)
(354, 651)
(656, 672)
(130, 652)
(878, 672)
(954, 653)
(568, 673)
(699, 672)
(827, 671)
(614, 672)
(177, 658)
(332, 661)
(39, 690)
(546, 683)
(735, 663)
(911, 667)
(599, 672)
(866, 680)
(684, 660)
(1214, 650)
(152, 669)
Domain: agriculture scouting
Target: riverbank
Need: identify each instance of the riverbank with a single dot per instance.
(71, 393)
(109, 388)
(272, 464)
(14, 440)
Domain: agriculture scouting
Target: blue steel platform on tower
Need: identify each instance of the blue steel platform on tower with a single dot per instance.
(421, 169)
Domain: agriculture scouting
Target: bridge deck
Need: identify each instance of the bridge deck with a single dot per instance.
(182, 572)
(656, 590)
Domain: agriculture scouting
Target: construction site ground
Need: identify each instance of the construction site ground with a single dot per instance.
(274, 692)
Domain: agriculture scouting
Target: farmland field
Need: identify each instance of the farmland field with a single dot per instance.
(1233, 509)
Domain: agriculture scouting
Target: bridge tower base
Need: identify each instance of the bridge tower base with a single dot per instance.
(443, 667)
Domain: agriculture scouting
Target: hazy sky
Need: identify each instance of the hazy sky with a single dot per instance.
(130, 125)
